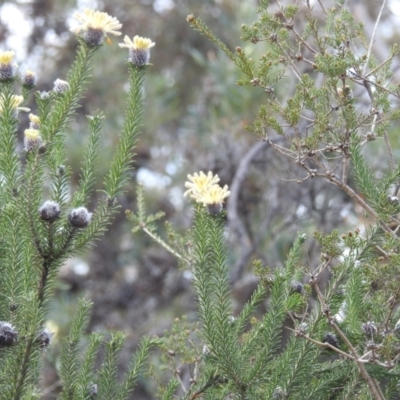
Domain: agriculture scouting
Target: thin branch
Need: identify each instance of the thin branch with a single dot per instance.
(163, 244)
(373, 36)
(373, 386)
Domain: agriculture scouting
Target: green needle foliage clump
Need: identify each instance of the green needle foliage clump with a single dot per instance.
(42, 225)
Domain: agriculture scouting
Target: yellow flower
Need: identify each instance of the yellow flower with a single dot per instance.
(200, 182)
(139, 50)
(8, 69)
(15, 102)
(34, 119)
(32, 139)
(31, 134)
(138, 43)
(95, 25)
(6, 57)
(213, 195)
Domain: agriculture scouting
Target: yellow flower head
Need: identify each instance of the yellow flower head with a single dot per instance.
(34, 119)
(200, 182)
(15, 102)
(214, 195)
(31, 134)
(6, 57)
(138, 43)
(95, 25)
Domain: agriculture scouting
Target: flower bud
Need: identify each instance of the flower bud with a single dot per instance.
(79, 217)
(369, 329)
(34, 121)
(8, 334)
(49, 211)
(278, 394)
(296, 287)
(60, 86)
(32, 140)
(331, 338)
(8, 69)
(29, 79)
(92, 390)
(43, 339)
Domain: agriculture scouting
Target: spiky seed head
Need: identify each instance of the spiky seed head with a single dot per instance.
(92, 390)
(8, 334)
(369, 329)
(45, 95)
(79, 217)
(49, 211)
(296, 287)
(331, 338)
(44, 338)
(60, 86)
(206, 350)
(278, 394)
(393, 199)
(29, 79)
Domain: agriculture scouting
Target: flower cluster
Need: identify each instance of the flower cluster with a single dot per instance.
(95, 26)
(29, 79)
(204, 189)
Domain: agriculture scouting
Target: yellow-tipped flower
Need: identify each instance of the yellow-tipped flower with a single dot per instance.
(95, 25)
(32, 139)
(15, 102)
(7, 67)
(6, 57)
(139, 49)
(138, 43)
(29, 79)
(200, 182)
(34, 121)
(204, 189)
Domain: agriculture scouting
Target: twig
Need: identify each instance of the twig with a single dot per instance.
(373, 386)
(163, 244)
(373, 36)
(322, 6)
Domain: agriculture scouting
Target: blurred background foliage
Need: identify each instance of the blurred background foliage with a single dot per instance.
(195, 119)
